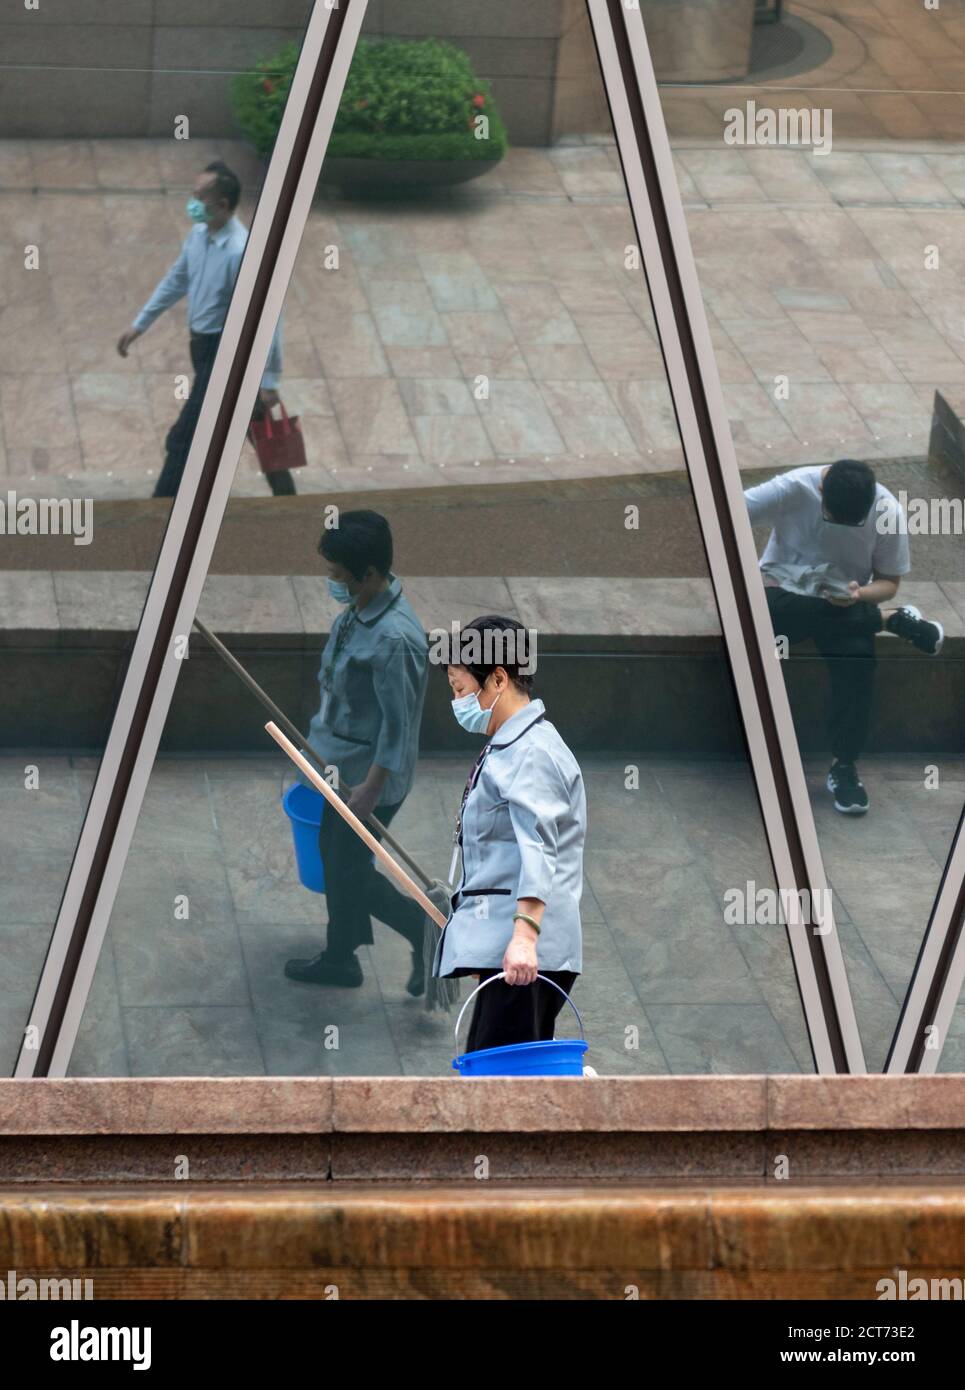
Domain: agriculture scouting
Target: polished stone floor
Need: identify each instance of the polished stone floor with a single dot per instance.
(811, 267)
(668, 985)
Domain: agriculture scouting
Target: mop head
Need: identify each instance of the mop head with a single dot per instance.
(440, 993)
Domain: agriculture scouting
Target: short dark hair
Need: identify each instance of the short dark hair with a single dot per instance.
(360, 539)
(227, 183)
(848, 490)
(494, 624)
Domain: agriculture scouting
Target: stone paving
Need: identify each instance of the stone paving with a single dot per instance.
(812, 267)
(207, 996)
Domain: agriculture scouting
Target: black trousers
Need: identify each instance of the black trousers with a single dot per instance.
(845, 637)
(356, 892)
(204, 347)
(505, 1014)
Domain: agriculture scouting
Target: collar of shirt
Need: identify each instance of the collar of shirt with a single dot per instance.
(519, 723)
(225, 233)
(374, 610)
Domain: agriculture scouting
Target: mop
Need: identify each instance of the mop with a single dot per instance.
(435, 900)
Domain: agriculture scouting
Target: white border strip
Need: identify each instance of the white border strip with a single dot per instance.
(174, 536)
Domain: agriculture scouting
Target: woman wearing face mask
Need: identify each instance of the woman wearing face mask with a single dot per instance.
(520, 834)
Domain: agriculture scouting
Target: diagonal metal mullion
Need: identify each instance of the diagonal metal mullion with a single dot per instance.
(697, 396)
(195, 521)
(936, 981)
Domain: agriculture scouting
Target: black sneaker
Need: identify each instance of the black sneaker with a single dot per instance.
(850, 797)
(907, 622)
(416, 985)
(345, 973)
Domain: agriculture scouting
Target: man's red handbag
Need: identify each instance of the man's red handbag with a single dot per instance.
(278, 443)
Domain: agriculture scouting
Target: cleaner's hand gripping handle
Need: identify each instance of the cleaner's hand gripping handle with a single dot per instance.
(337, 804)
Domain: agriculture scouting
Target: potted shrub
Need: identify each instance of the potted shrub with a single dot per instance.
(413, 115)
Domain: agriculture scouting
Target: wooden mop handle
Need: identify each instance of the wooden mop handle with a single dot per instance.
(337, 804)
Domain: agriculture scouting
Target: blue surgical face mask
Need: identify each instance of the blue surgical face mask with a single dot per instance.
(339, 591)
(196, 210)
(471, 715)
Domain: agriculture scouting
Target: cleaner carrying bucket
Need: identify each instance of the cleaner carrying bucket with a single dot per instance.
(519, 835)
(554, 1057)
(372, 683)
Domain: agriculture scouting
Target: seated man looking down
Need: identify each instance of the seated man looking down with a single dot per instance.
(837, 551)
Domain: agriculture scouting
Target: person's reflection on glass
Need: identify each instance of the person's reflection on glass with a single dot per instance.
(837, 550)
(206, 271)
(372, 683)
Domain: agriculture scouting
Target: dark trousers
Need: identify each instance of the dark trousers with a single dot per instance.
(505, 1014)
(204, 347)
(845, 637)
(356, 892)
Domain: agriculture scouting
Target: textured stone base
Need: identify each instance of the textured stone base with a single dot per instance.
(650, 1187)
(502, 1243)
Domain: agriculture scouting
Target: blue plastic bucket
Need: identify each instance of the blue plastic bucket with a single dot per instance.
(554, 1057)
(303, 806)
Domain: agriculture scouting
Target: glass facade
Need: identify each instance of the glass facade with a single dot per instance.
(467, 348)
(108, 119)
(822, 199)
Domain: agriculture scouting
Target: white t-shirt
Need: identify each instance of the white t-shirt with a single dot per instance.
(791, 504)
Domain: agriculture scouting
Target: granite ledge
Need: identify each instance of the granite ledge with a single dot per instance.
(386, 1105)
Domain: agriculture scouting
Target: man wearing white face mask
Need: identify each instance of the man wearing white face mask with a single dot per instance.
(372, 683)
(205, 272)
(520, 836)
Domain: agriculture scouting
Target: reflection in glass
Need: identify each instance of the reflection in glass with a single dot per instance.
(106, 121)
(470, 353)
(822, 191)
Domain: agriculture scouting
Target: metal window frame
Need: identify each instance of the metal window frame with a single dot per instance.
(938, 976)
(698, 401)
(189, 540)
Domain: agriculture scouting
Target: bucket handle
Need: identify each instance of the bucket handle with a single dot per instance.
(502, 976)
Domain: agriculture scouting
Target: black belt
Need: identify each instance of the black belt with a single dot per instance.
(361, 742)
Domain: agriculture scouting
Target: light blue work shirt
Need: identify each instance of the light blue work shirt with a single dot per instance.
(372, 683)
(206, 271)
(522, 830)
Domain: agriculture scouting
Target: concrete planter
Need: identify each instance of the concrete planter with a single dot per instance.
(699, 40)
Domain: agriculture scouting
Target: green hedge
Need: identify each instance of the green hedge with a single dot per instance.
(404, 99)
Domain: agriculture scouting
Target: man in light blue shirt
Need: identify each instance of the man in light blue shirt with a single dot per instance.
(205, 272)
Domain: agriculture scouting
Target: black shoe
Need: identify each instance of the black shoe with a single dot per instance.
(907, 622)
(417, 980)
(850, 797)
(323, 970)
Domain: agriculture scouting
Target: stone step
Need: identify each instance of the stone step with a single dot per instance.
(874, 1187)
(499, 1243)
